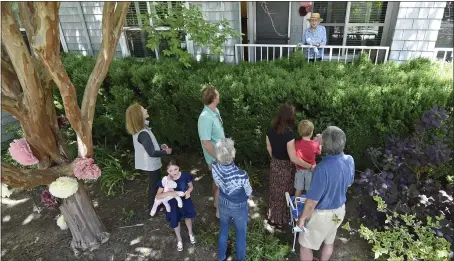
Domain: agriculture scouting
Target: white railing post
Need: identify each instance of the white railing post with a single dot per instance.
(386, 55)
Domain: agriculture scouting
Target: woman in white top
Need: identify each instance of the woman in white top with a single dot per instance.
(147, 152)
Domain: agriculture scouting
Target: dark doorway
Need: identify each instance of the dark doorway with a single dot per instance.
(272, 26)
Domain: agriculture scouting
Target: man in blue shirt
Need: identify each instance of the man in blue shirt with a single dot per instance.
(315, 35)
(211, 130)
(324, 209)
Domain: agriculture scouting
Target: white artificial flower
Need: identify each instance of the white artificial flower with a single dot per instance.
(63, 187)
(62, 223)
(5, 191)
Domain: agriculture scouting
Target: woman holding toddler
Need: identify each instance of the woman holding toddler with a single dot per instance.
(280, 143)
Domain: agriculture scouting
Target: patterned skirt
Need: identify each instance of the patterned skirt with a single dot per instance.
(282, 177)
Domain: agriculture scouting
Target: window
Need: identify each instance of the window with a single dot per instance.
(368, 12)
(137, 45)
(136, 38)
(333, 14)
(365, 23)
(445, 34)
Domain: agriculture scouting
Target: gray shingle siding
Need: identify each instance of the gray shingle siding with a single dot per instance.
(7, 120)
(74, 29)
(214, 11)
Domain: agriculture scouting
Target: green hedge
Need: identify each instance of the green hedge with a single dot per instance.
(367, 101)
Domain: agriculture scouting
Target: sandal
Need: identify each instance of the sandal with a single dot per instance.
(217, 213)
(180, 246)
(192, 239)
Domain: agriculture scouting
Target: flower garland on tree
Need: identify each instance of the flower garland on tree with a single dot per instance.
(63, 187)
(20, 151)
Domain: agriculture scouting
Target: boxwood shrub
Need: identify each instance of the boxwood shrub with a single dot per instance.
(369, 102)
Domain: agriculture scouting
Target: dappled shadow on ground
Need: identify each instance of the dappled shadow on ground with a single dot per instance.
(29, 232)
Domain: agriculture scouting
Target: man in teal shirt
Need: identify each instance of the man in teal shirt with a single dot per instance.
(210, 131)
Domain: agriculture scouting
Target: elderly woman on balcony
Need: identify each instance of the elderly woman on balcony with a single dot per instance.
(315, 35)
(324, 209)
(234, 191)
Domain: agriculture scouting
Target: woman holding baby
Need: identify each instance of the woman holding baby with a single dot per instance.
(147, 156)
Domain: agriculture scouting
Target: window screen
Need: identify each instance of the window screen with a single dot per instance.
(368, 12)
(331, 12)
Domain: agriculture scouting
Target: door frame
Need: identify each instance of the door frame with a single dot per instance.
(251, 22)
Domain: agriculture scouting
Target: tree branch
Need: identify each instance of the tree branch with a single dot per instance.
(46, 43)
(15, 47)
(12, 106)
(27, 15)
(29, 178)
(10, 82)
(113, 18)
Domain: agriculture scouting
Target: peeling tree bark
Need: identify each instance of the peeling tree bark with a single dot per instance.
(30, 178)
(27, 80)
(32, 115)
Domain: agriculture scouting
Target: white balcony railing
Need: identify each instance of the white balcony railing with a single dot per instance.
(444, 55)
(345, 54)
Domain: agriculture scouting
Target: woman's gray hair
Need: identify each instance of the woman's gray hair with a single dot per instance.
(225, 151)
(333, 140)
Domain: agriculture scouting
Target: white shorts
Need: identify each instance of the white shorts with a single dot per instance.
(322, 228)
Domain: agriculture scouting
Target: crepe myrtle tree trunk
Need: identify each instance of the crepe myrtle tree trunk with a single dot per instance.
(87, 230)
(27, 80)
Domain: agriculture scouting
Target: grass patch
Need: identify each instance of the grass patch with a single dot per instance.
(260, 244)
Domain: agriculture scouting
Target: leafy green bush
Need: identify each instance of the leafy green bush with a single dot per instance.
(369, 102)
(406, 238)
(113, 173)
(261, 245)
(253, 173)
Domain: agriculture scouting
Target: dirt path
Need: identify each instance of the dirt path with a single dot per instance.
(29, 232)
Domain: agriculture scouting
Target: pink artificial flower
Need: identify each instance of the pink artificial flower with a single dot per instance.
(48, 200)
(20, 151)
(86, 169)
(307, 6)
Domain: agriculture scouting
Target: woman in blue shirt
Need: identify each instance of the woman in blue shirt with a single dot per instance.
(315, 35)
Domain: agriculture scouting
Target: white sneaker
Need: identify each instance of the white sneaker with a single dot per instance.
(180, 246)
(192, 239)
